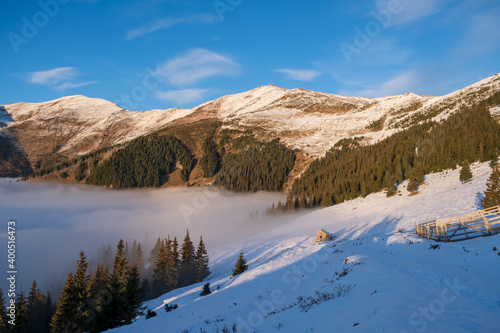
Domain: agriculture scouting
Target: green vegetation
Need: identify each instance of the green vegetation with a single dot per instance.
(143, 162)
(465, 172)
(260, 167)
(470, 134)
(211, 159)
(241, 265)
(492, 193)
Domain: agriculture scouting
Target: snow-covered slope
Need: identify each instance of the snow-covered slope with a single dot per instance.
(314, 121)
(310, 121)
(375, 276)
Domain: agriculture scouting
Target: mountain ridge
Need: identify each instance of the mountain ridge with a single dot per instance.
(312, 122)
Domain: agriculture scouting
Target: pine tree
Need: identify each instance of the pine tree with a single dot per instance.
(22, 319)
(391, 186)
(206, 289)
(202, 269)
(241, 265)
(160, 271)
(175, 251)
(172, 265)
(115, 309)
(413, 185)
(99, 296)
(153, 255)
(492, 193)
(35, 307)
(187, 273)
(465, 172)
(66, 311)
(139, 259)
(133, 294)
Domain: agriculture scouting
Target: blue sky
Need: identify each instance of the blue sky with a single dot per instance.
(179, 53)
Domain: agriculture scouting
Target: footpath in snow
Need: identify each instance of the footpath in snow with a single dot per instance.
(376, 275)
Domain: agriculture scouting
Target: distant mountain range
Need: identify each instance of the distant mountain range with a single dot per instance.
(37, 136)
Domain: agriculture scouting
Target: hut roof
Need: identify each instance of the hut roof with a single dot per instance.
(323, 230)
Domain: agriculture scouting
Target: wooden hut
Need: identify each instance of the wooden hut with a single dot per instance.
(323, 235)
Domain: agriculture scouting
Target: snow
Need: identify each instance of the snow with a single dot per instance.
(389, 284)
(310, 121)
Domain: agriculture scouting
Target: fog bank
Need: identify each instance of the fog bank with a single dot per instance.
(55, 221)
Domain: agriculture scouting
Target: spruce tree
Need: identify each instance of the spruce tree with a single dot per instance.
(133, 294)
(99, 296)
(202, 269)
(115, 309)
(35, 308)
(66, 310)
(187, 274)
(465, 172)
(82, 288)
(154, 254)
(139, 259)
(22, 315)
(175, 251)
(391, 186)
(492, 193)
(206, 289)
(412, 185)
(160, 271)
(172, 265)
(241, 265)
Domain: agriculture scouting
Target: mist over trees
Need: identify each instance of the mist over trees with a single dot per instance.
(112, 294)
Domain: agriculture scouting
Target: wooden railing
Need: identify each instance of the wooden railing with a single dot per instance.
(480, 223)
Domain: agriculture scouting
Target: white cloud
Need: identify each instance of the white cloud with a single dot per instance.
(197, 65)
(53, 76)
(68, 85)
(300, 75)
(182, 97)
(410, 10)
(61, 78)
(400, 84)
(169, 22)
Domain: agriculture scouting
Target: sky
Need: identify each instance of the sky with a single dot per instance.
(159, 54)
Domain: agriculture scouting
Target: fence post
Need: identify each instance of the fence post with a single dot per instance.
(486, 222)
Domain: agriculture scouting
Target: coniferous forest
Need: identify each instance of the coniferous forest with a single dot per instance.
(345, 173)
(259, 167)
(111, 295)
(143, 162)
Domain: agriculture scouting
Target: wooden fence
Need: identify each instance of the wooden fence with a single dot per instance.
(480, 223)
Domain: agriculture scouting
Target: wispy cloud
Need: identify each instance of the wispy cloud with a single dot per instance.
(182, 97)
(409, 10)
(61, 78)
(300, 75)
(197, 65)
(402, 83)
(168, 22)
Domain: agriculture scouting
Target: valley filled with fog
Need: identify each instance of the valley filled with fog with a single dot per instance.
(54, 222)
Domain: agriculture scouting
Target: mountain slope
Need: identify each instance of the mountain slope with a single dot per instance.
(55, 131)
(383, 277)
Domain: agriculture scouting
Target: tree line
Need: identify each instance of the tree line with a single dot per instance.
(260, 166)
(143, 162)
(111, 295)
(350, 171)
